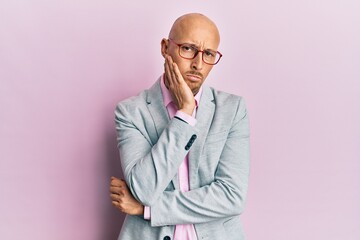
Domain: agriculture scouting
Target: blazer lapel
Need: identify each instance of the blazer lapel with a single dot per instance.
(204, 118)
(157, 109)
(159, 115)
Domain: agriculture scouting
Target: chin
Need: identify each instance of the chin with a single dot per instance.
(195, 90)
(195, 87)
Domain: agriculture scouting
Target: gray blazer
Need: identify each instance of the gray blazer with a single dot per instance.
(152, 147)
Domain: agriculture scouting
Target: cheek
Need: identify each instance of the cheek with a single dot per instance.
(175, 56)
(183, 66)
(207, 70)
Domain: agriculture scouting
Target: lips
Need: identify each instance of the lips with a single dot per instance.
(193, 77)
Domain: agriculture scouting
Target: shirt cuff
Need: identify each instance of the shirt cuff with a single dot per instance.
(186, 117)
(147, 213)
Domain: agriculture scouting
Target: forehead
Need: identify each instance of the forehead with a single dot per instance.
(199, 31)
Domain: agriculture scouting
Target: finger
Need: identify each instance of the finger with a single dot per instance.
(122, 184)
(172, 65)
(114, 178)
(115, 182)
(124, 192)
(173, 75)
(167, 66)
(115, 197)
(177, 72)
(115, 190)
(169, 59)
(173, 81)
(117, 205)
(168, 73)
(171, 68)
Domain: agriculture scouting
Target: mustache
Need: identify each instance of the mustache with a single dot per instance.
(195, 73)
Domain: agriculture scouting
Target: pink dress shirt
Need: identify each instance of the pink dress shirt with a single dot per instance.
(182, 231)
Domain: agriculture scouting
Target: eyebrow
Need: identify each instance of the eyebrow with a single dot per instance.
(194, 45)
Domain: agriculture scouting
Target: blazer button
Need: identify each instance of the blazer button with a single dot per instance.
(167, 238)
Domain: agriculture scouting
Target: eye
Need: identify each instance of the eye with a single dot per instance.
(209, 53)
(188, 48)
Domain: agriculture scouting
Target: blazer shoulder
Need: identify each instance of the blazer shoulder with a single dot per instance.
(132, 105)
(133, 100)
(142, 99)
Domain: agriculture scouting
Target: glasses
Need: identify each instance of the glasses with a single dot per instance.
(190, 51)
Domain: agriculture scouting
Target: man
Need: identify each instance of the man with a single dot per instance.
(184, 147)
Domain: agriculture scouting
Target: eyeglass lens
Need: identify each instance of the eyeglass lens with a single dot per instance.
(189, 51)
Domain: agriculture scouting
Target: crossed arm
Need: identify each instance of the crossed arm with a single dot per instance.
(223, 197)
(122, 198)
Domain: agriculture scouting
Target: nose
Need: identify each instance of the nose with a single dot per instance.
(197, 62)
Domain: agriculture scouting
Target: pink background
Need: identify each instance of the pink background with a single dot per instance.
(65, 64)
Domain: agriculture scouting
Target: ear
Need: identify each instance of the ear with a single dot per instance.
(164, 47)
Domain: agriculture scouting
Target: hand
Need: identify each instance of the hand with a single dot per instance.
(180, 91)
(123, 199)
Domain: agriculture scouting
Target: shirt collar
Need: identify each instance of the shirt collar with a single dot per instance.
(167, 98)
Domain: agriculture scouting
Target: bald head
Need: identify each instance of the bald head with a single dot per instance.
(192, 33)
(195, 27)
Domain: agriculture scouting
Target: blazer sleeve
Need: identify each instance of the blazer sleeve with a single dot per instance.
(225, 196)
(149, 168)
